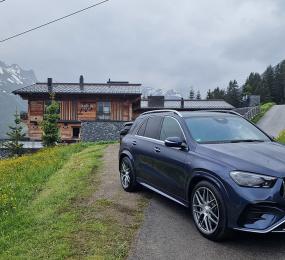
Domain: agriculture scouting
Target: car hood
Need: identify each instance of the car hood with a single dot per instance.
(266, 158)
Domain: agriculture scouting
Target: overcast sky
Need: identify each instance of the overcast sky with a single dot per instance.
(160, 43)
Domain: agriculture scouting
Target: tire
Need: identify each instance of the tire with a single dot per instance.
(127, 175)
(209, 211)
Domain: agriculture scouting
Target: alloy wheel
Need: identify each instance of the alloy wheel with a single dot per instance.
(205, 209)
(125, 175)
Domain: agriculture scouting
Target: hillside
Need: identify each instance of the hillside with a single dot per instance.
(66, 203)
(12, 77)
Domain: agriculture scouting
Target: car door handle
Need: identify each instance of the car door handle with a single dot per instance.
(134, 142)
(157, 150)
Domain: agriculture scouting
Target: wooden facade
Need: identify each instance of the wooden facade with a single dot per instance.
(75, 110)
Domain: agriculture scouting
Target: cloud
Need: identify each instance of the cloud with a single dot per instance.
(160, 43)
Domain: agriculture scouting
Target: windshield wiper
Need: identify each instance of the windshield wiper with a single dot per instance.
(247, 141)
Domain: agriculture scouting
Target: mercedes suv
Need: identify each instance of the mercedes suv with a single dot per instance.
(224, 168)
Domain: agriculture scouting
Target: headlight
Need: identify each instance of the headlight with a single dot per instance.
(247, 179)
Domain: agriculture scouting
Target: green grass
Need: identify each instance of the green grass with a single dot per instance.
(281, 137)
(263, 110)
(44, 209)
(36, 192)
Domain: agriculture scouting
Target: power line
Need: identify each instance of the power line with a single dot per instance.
(53, 21)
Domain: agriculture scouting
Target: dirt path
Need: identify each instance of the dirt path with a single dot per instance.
(116, 214)
(110, 188)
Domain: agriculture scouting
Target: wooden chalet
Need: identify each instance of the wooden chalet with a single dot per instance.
(111, 101)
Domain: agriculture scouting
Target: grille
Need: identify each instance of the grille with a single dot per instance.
(256, 212)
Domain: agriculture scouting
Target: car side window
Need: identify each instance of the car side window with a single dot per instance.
(170, 128)
(142, 128)
(153, 127)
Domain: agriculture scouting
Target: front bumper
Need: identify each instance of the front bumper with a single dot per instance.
(262, 218)
(278, 227)
(258, 210)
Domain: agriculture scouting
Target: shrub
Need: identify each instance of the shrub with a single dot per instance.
(281, 137)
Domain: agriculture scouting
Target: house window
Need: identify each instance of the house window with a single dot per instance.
(104, 110)
(75, 132)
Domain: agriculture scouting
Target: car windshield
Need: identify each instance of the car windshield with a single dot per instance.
(223, 129)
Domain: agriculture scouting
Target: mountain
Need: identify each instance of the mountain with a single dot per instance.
(168, 94)
(12, 77)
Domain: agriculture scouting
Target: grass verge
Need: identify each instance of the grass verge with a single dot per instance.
(43, 209)
(35, 193)
(263, 110)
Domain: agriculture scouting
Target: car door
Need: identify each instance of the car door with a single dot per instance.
(143, 148)
(169, 163)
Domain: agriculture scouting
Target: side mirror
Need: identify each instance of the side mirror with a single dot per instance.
(176, 142)
(124, 131)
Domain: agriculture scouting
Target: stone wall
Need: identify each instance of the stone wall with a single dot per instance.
(101, 131)
(3, 153)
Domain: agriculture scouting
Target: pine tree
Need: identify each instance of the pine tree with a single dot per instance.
(209, 95)
(277, 92)
(267, 82)
(277, 84)
(233, 95)
(218, 93)
(192, 94)
(198, 96)
(50, 124)
(253, 84)
(16, 135)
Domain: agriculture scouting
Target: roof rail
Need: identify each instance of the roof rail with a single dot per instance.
(162, 111)
(223, 111)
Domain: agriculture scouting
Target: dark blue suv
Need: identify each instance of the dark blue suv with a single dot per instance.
(229, 172)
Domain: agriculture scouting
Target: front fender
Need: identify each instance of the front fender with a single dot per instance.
(200, 175)
(126, 153)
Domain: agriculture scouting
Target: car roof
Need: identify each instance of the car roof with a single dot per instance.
(207, 113)
(186, 114)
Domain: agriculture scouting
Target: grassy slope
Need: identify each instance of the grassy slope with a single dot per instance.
(34, 191)
(43, 212)
(263, 109)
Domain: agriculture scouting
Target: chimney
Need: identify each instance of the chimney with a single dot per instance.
(81, 83)
(49, 83)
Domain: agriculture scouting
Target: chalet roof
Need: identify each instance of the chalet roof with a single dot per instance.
(189, 104)
(114, 88)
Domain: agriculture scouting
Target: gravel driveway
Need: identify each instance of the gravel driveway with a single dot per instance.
(169, 233)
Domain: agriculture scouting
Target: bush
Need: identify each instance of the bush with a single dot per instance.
(281, 137)
(263, 110)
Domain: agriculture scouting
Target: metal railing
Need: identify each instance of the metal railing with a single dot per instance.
(248, 112)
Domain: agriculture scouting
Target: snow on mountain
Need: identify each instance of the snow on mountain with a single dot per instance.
(12, 77)
(168, 94)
